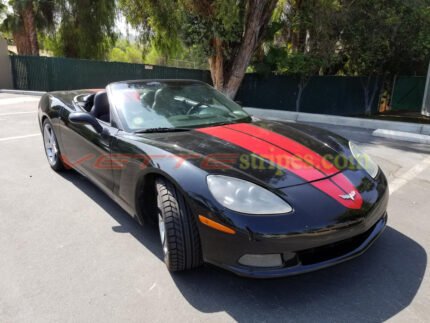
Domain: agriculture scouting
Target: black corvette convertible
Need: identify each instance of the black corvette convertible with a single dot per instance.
(259, 198)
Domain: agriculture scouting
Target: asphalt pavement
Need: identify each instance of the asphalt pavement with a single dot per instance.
(70, 254)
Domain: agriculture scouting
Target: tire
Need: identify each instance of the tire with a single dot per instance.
(52, 149)
(180, 241)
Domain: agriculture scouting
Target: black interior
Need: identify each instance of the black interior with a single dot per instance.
(148, 98)
(165, 103)
(89, 102)
(100, 109)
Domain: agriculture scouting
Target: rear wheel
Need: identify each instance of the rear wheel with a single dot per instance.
(51, 147)
(178, 229)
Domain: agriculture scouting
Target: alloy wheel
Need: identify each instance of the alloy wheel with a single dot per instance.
(51, 148)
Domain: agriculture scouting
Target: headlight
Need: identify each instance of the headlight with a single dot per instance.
(245, 197)
(364, 160)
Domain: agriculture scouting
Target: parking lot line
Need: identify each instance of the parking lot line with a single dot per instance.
(14, 113)
(19, 137)
(409, 175)
(7, 101)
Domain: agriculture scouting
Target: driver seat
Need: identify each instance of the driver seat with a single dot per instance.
(165, 103)
(100, 109)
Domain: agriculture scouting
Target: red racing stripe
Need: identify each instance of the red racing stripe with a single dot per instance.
(308, 155)
(266, 150)
(285, 159)
(288, 144)
(328, 187)
(343, 182)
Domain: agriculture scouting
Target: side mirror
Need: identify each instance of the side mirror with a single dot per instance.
(85, 118)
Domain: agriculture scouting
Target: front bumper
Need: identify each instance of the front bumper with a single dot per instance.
(319, 234)
(315, 258)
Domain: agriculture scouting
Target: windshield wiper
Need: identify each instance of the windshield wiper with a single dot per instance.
(226, 123)
(162, 129)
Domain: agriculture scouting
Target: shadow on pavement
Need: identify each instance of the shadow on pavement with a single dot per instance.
(371, 288)
(147, 236)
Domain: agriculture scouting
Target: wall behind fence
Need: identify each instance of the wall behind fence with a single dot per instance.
(55, 73)
(5, 69)
(337, 95)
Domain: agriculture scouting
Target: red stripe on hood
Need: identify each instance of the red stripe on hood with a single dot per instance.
(277, 154)
(336, 193)
(289, 145)
(343, 182)
(265, 150)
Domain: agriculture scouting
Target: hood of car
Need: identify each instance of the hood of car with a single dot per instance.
(274, 154)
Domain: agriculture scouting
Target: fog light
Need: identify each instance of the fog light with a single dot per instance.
(271, 260)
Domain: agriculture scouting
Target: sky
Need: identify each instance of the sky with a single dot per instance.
(125, 29)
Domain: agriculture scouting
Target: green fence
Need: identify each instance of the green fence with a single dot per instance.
(408, 93)
(337, 95)
(51, 74)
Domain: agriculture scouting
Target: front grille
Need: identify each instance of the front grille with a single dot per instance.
(333, 250)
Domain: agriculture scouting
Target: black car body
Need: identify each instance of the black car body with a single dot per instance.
(336, 211)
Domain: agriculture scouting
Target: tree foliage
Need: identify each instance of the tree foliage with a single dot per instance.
(353, 37)
(347, 37)
(3, 10)
(71, 28)
(157, 22)
(126, 52)
(227, 32)
(303, 41)
(382, 38)
(376, 39)
(85, 29)
(386, 36)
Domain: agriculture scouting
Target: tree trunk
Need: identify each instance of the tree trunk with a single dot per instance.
(369, 94)
(299, 34)
(385, 92)
(299, 97)
(303, 82)
(30, 27)
(21, 41)
(258, 14)
(216, 64)
(366, 98)
(372, 98)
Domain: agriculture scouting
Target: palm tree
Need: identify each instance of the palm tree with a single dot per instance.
(26, 18)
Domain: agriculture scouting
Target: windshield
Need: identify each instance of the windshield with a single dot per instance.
(172, 104)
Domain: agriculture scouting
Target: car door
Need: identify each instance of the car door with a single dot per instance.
(88, 151)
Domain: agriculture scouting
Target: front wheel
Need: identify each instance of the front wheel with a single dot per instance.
(51, 147)
(178, 229)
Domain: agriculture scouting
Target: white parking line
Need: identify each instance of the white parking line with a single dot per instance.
(14, 113)
(19, 137)
(18, 100)
(409, 175)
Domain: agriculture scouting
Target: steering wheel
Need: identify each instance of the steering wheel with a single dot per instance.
(196, 106)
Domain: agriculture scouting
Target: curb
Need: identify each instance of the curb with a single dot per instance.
(414, 128)
(38, 93)
(400, 135)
